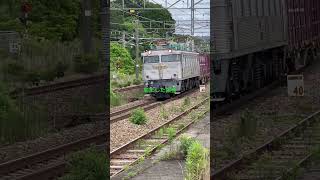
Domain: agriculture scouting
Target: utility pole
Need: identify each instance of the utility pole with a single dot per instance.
(86, 27)
(124, 39)
(137, 48)
(192, 17)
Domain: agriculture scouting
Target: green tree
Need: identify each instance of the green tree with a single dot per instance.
(120, 59)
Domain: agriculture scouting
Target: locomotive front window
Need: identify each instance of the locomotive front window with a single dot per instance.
(170, 58)
(151, 59)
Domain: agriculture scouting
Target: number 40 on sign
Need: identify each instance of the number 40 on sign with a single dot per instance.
(295, 85)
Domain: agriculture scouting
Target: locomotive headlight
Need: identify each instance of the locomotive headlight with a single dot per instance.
(170, 50)
(149, 52)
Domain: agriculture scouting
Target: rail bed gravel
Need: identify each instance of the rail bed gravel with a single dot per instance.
(22, 149)
(123, 131)
(274, 103)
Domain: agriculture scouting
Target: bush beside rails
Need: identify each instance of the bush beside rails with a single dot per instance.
(16, 125)
(17, 71)
(121, 80)
(86, 64)
(138, 117)
(89, 164)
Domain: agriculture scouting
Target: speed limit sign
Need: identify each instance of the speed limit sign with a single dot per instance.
(295, 85)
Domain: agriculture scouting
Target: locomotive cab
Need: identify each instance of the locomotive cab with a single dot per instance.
(169, 72)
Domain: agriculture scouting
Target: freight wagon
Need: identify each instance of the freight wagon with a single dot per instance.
(167, 69)
(257, 41)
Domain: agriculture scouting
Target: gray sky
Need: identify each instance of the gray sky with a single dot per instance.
(183, 16)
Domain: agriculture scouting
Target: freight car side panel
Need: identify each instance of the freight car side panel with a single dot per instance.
(190, 66)
(303, 22)
(204, 65)
(242, 27)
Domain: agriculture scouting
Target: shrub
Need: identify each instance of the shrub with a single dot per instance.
(60, 68)
(14, 69)
(33, 77)
(12, 125)
(248, 125)
(115, 99)
(136, 81)
(47, 75)
(86, 64)
(186, 142)
(196, 161)
(89, 164)
(138, 117)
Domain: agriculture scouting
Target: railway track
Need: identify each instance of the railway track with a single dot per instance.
(61, 86)
(47, 164)
(129, 88)
(293, 145)
(146, 144)
(147, 105)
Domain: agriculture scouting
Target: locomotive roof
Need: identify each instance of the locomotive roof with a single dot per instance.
(166, 52)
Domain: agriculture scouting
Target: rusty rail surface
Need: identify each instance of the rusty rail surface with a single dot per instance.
(126, 113)
(61, 86)
(24, 166)
(130, 144)
(268, 146)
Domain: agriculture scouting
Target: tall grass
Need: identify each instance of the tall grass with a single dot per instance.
(88, 164)
(20, 121)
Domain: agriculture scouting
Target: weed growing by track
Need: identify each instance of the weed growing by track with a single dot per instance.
(197, 160)
(186, 101)
(186, 142)
(138, 117)
(88, 164)
(171, 133)
(248, 125)
(163, 112)
(20, 121)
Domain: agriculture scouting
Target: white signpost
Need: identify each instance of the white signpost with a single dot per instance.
(202, 88)
(295, 85)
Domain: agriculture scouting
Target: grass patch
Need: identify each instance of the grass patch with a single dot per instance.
(186, 142)
(19, 120)
(163, 112)
(89, 164)
(138, 117)
(196, 161)
(248, 125)
(171, 133)
(186, 101)
(159, 133)
(115, 99)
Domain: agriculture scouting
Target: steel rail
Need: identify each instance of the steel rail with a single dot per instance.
(268, 146)
(152, 132)
(24, 163)
(60, 86)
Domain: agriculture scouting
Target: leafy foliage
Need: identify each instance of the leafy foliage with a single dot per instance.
(196, 161)
(89, 164)
(55, 20)
(138, 117)
(124, 20)
(171, 133)
(120, 59)
(186, 143)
